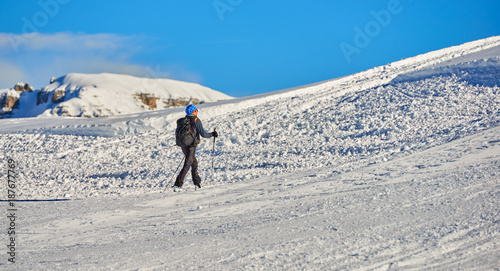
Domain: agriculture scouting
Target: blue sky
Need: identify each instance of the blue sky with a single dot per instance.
(240, 47)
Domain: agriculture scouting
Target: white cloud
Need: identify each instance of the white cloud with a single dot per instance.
(37, 57)
(65, 41)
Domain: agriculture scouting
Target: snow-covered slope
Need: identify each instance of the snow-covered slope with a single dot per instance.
(97, 95)
(365, 118)
(433, 210)
(392, 167)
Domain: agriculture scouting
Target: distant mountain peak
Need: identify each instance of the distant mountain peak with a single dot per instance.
(106, 94)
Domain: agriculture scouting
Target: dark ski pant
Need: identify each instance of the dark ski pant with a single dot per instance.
(189, 162)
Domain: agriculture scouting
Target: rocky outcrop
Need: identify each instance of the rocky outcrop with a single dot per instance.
(183, 101)
(20, 87)
(150, 101)
(9, 99)
(42, 97)
(28, 88)
(58, 95)
(147, 99)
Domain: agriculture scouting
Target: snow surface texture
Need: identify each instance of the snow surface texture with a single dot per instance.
(105, 94)
(394, 167)
(433, 210)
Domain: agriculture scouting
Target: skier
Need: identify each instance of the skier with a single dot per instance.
(188, 148)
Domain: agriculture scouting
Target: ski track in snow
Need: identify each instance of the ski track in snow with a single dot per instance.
(393, 168)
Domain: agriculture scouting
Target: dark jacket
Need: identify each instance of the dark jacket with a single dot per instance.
(197, 129)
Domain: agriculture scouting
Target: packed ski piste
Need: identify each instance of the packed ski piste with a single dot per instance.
(393, 168)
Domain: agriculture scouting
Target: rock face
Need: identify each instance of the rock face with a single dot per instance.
(178, 102)
(42, 97)
(20, 87)
(9, 101)
(28, 88)
(9, 98)
(148, 99)
(58, 95)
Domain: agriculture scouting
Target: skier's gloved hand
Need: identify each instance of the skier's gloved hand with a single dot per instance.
(215, 134)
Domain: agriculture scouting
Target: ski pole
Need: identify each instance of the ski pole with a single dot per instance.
(213, 153)
(175, 171)
(213, 157)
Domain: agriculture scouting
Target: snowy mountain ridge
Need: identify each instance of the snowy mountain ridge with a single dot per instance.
(105, 94)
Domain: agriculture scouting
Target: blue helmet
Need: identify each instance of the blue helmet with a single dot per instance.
(190, 108)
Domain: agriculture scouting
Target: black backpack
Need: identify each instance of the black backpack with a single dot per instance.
(185, 132)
